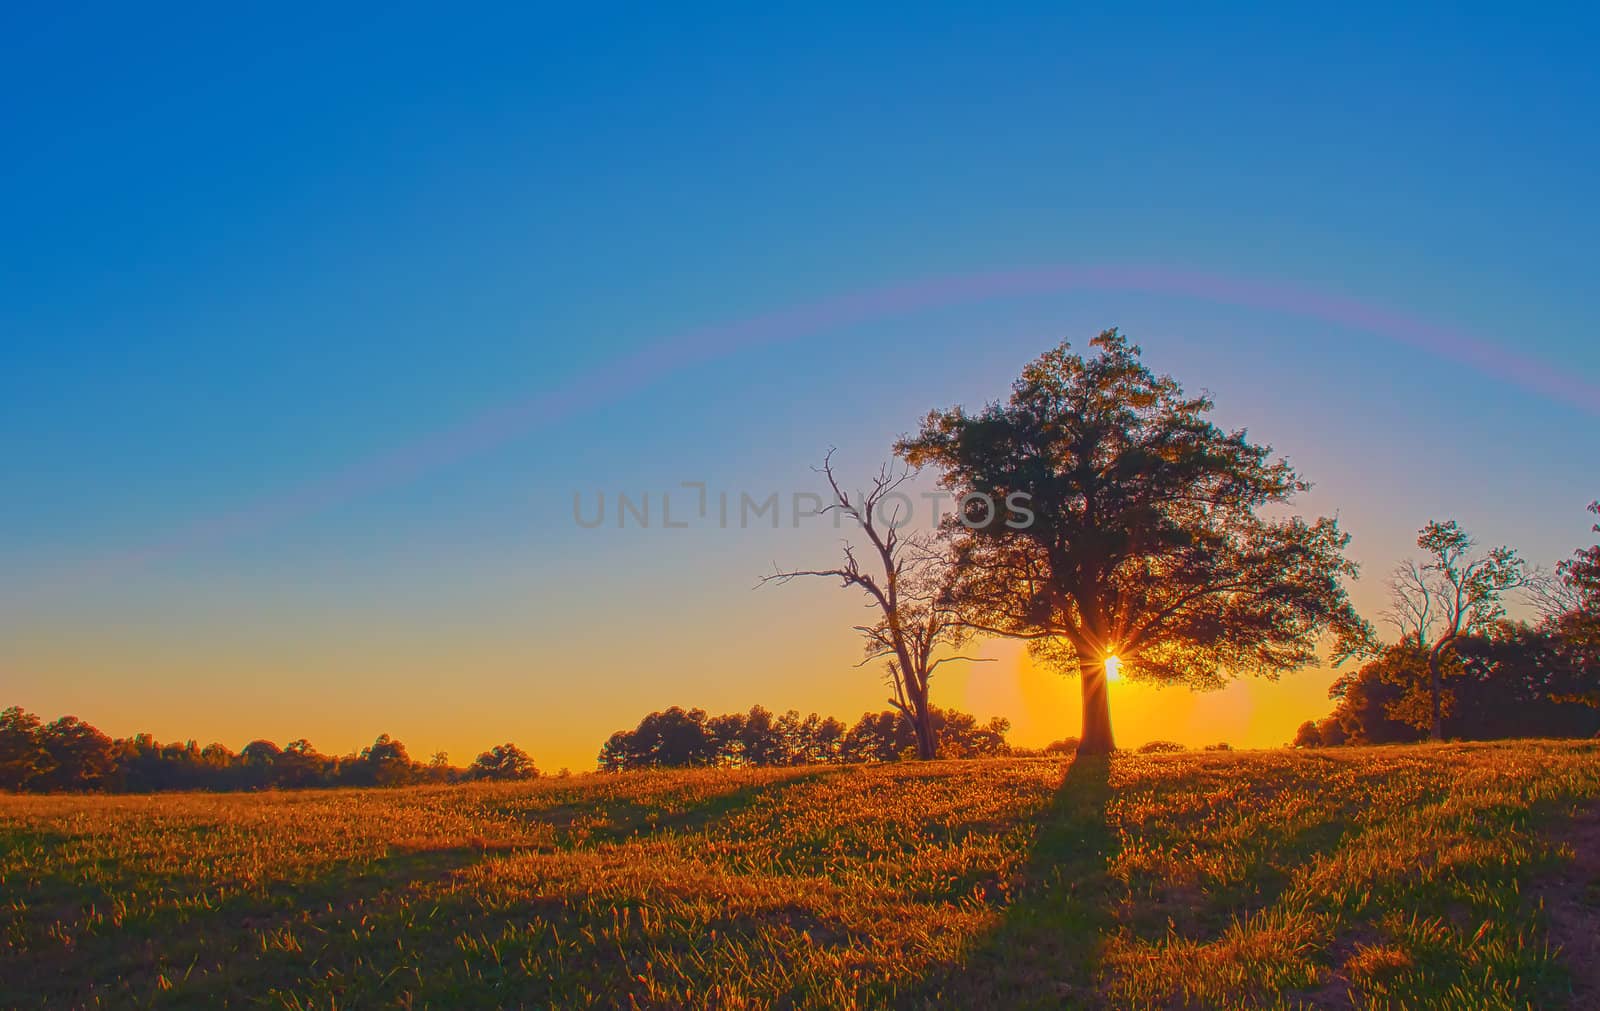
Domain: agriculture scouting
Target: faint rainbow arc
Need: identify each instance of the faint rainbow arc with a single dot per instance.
(635, 370)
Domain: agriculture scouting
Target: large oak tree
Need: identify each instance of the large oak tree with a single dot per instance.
(1146, 541)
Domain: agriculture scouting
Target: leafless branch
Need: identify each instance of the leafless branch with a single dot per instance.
(906, 583)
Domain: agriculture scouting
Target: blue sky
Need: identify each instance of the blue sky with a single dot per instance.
(244, 251)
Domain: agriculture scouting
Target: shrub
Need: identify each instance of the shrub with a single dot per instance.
(1160, 748)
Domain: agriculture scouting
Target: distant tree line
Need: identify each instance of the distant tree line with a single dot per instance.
(679, 738)
(1513, 680)
(1460, 669)
(69, 755)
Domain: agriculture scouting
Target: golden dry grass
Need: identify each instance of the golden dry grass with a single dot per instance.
(1389, 877)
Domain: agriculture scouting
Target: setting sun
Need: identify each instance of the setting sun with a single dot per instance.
(1113, 669)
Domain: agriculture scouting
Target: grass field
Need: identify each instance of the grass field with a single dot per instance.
(1453, 876)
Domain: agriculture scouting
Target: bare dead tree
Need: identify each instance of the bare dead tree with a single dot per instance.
(906, 582)
(1552, 595)
(1449, 595)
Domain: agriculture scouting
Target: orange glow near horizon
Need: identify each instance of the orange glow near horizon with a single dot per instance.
(217, 666)
(343, 706)
(1045, 706)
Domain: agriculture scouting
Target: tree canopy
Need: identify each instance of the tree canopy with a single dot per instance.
(503, 762)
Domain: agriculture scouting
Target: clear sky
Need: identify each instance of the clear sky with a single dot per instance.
(313, 321)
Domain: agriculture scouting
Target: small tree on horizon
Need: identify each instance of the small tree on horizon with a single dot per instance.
(503, 762)
(80, 756)
(1448, 596)
(384, 763)
(1145, 542)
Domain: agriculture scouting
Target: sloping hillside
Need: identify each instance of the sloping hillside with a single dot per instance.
(1418, 876)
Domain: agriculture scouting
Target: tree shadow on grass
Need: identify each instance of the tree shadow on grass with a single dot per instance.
(1045, 950)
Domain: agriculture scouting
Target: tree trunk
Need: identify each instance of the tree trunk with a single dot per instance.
(1436, 679)
(927, 743)
(1436, 689)
(1096, 737)
(922, 722)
